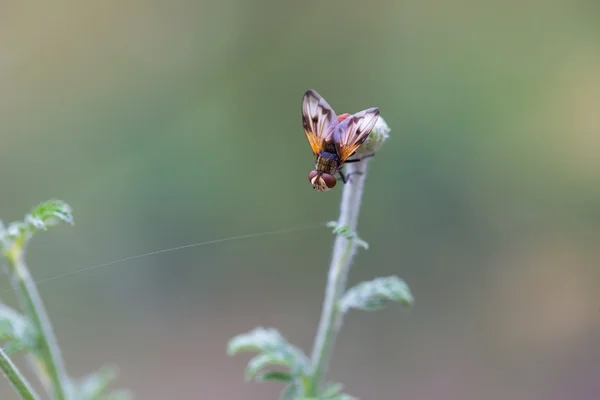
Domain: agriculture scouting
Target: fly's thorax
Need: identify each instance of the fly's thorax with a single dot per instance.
(327, 162)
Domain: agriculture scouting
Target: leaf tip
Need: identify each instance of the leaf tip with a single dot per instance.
(372, 295)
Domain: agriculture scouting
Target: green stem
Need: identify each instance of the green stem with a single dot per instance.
(47, 351)
(344, 250)
(16, 379)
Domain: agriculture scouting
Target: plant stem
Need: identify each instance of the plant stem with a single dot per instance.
(344, 250)
(48, 353)
(16, 379)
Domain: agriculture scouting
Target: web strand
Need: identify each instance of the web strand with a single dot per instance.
(176, 248)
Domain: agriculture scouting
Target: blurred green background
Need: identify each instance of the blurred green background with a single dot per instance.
(164, 124)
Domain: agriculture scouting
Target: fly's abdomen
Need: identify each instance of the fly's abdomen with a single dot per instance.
(327, 162)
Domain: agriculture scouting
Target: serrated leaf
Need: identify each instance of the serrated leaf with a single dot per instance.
(342, 396)
(14, 231)
(332, 389)
(257, 340)
(49, 213)
(373, 295)
(13, 326)
(270, 343)
(275, 376)
(41, 218)
(263, 360)
(347, 232)
(14, 347)
(117, 395)
(94, 385)
(290, 392)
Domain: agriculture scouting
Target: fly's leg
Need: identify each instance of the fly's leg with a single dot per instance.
(346, 178)
(358, 159)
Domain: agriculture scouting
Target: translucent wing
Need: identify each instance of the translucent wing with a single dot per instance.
(353, 131)
(318, 120)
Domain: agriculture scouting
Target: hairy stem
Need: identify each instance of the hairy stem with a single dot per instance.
(50, 363)
(344, 250)
(16, 379)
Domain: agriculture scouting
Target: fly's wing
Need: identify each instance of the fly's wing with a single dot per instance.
(318, 120)
(353, 131)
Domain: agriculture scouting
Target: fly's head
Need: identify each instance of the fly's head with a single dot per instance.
(321, 181)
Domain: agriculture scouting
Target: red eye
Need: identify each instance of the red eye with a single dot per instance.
(329, 180)
(312, 175)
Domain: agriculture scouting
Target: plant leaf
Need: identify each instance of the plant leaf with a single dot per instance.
(15, 329)
(373, 295)
(273, 346)
(262, 360)
(49, 213)
(14, 347)
(274, 376)
(117, 395)
(342, 396)
(42, 217)
(93, 386)
(290, 392)
(258, 340)
(347, 232)
(332, 389)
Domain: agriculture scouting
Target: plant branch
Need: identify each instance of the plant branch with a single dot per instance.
(16, 379)
(47, 351)
(344, 250)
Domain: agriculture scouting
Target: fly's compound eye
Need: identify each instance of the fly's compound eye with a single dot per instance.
(329, 180)
(312, 175)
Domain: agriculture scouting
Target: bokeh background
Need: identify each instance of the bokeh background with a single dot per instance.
(169, 123)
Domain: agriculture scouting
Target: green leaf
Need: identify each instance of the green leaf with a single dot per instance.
(332, 389)
(94, 385)
(41, 218)
(49, 213)
(275, 376)
(257, 340)
(347, 232)
(13, 232)
(373, 295)
(263, 360)
(14, 347)
(342, 396)
(290, 392)
(273, 348)
(117, 395)
(14, 328)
